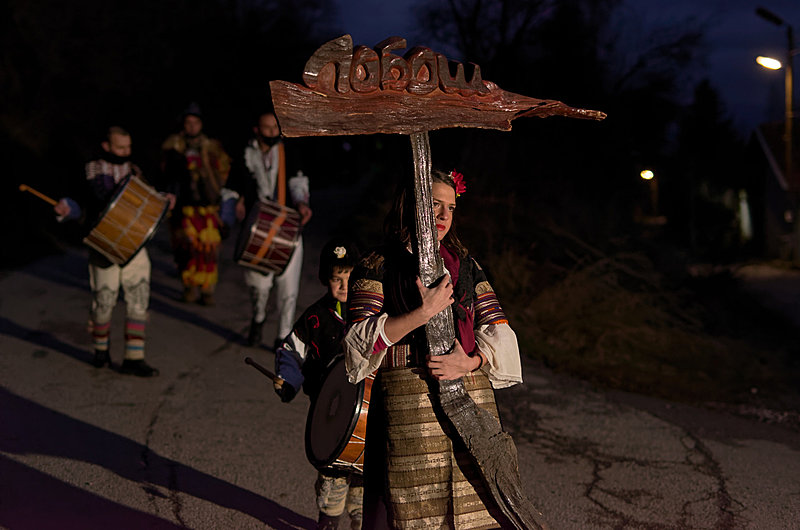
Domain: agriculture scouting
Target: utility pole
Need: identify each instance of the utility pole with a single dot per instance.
(788, 119)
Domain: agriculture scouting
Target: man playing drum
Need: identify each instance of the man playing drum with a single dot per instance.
(105, 176)
(302, 359)
(260, 175)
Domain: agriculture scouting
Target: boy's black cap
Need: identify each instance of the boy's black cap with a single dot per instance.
(337, 252)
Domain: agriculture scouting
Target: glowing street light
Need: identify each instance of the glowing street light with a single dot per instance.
(650, 177)
(769, 62)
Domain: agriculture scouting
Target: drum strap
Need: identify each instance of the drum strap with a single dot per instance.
(273, 231)
(281, 217)
(281, 175)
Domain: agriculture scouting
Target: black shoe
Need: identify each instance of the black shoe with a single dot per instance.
(327, 522)
(101, 358)
(254, 335)
(139, 368)
(189, 295)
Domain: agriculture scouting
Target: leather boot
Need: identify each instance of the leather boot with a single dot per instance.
(327, 522)
(139, 368)
(101, 358)
(190, 294)
(254, 335)
(207, 298)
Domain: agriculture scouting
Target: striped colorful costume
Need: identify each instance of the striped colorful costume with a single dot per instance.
(415, 466)
(196, 170)
(134, 278)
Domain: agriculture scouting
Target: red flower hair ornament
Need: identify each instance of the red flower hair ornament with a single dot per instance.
(458, 179)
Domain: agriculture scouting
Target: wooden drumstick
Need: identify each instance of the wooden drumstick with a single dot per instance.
(261, 369)
(45, 198)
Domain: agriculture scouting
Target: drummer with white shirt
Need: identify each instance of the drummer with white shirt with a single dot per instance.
(260, 174)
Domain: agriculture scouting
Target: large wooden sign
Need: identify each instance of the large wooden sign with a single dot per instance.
(375, 90)
(365, 90)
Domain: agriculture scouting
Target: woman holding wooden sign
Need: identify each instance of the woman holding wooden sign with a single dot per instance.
(417, 471)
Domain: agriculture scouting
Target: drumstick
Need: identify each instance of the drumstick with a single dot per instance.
(261, 369)
(23, 187)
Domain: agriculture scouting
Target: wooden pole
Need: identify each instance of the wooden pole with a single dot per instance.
(492, 449)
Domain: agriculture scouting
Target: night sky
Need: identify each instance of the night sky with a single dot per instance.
(735, 36)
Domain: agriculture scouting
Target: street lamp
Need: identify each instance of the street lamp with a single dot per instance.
(769, 62)
(788, 82)
(648, 176)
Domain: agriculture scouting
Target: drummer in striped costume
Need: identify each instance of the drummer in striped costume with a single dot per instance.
(417, 473)
(104, 177)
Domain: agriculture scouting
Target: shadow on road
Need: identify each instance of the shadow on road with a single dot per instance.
(43, 339)
(29, 428)
(184, 315)
(69, 269)
(35, 501)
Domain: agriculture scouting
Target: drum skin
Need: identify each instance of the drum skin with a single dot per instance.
(269, 238)
(337, 422)
(128, 222)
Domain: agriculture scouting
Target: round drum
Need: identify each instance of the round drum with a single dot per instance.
(128, 222)
(337, 422)
(269, 237)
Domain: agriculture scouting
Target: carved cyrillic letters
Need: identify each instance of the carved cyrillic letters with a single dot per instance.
(336, 68)
(365, 72)
(458, 83)
(366, 90)
(328, 70)
(395, 72)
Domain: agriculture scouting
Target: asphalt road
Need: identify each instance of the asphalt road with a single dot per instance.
(208, 445)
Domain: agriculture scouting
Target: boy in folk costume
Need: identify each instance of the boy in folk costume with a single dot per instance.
(302, 359)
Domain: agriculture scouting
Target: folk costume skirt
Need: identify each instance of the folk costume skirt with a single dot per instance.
(428, 479)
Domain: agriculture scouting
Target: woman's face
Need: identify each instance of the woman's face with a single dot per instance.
(444, 205)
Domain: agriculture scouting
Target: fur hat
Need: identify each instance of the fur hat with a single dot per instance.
(192, 110)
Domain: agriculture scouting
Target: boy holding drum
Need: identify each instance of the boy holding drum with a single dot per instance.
(302, 359)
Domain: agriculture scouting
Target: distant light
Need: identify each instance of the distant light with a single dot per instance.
(647, 174)
(769, 62)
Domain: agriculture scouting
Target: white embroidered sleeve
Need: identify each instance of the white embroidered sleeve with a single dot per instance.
(360, 357)
(498, 343)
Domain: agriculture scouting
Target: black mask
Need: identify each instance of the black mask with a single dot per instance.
(268, 140)
(114, 159)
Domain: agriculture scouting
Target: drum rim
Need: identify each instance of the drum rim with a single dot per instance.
(249, 228)
(326, 463)
(110, 206)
